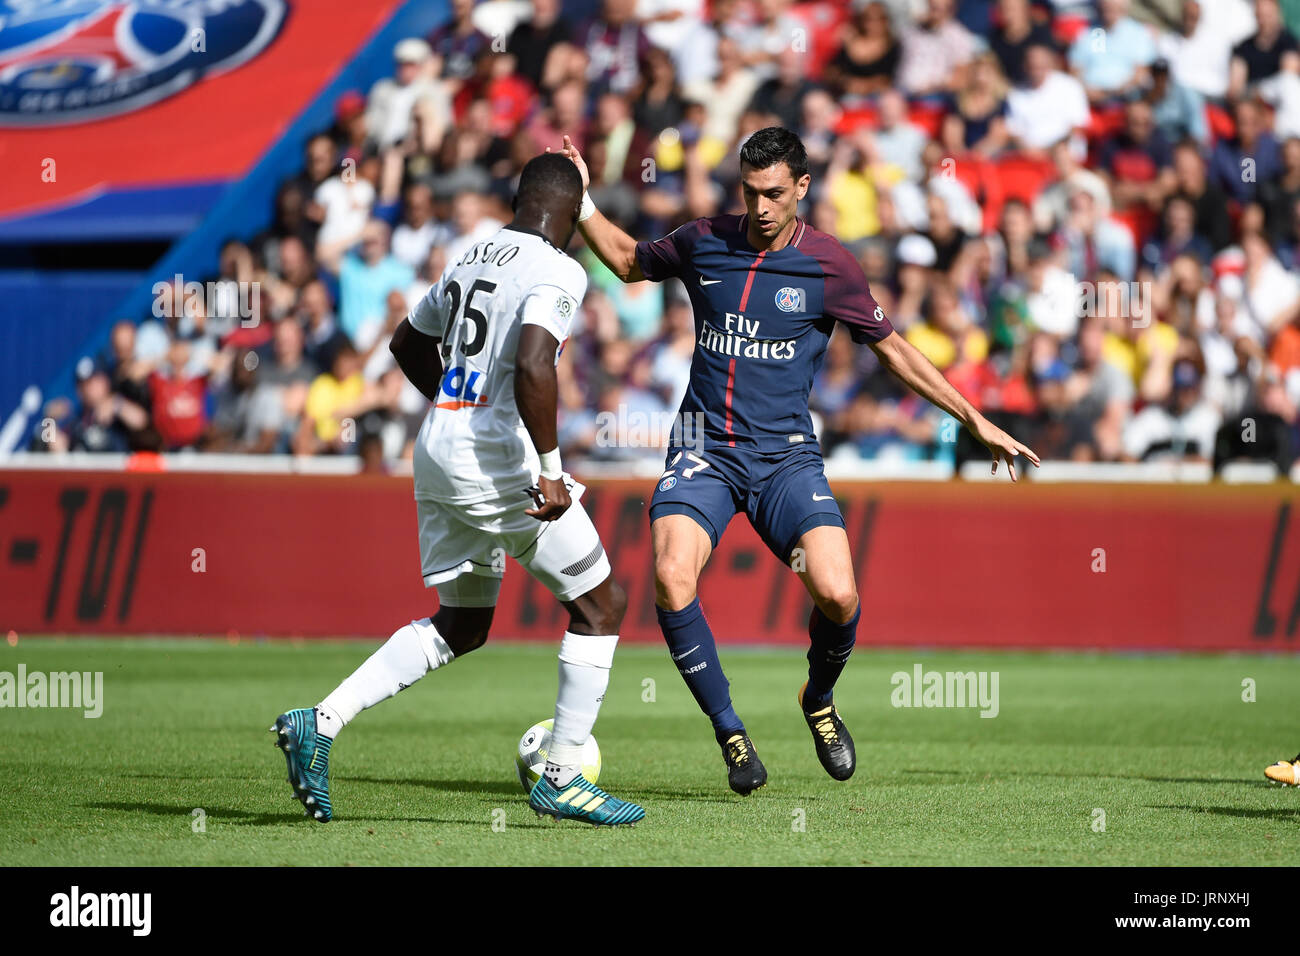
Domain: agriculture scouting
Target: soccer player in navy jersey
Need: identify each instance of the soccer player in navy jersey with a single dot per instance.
(767, 290)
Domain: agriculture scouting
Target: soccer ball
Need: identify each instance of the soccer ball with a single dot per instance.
(530, 758)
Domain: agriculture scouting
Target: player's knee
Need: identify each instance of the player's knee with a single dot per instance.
(840, 602)
(464, 629)
(675, 582)
(608, 613)
(599, 611)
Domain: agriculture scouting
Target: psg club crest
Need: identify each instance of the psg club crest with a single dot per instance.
(790, 300)
(71, 61)
(667, 483)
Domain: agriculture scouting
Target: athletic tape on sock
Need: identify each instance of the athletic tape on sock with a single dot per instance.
(588, 650)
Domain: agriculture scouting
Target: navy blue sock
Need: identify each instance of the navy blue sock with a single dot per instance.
(691, 644)
(831, 645)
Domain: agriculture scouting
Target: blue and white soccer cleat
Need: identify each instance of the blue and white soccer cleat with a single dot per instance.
(308, 755)
(582, 800)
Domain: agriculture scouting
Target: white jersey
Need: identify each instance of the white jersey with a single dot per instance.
(473, 445)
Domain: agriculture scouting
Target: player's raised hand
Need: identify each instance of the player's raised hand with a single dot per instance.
(571, 151)
(1003, 446)
(551, 497)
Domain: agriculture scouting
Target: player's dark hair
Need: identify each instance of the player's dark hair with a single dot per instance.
(772, 145)
(549, 180)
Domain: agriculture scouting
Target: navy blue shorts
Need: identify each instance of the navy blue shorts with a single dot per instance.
(784, 494)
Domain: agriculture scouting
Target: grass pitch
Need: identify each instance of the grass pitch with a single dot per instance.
(1165, 746)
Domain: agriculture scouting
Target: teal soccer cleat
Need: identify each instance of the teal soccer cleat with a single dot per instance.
(308, 755)
(582, 800)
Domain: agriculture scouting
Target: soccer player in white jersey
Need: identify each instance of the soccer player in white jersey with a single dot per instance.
(482, 346)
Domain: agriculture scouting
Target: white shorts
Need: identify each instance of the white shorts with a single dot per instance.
(564, 555)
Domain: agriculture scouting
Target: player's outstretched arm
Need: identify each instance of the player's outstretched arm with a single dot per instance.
(417, 356)
(537, 397)
(612, 245)
(917, 372)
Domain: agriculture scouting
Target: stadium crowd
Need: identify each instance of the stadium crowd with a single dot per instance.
(1086, 215)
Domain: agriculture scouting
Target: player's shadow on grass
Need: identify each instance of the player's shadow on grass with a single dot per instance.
(245, 818)
(451, 786)
(1253, 813)
(171, 810)
(978, 776)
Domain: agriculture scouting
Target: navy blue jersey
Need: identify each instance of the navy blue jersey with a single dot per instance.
(762, 321)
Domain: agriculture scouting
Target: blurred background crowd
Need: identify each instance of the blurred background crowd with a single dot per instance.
(1086, 214)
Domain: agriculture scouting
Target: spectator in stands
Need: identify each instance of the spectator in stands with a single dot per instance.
(321, 163)
(726, 95)
(697, 57)
(334, 402)
(351, 132)
(296, 269)
(1093, 240)
(365, 280)
(543, 45)
(321, 335)
(1138, 165)
(392, 100)
(1271, 49)
(936, 52)
(782, 95)
(615, 44)
(1178, 111)
(178, 399)
(105, 420)
(671, 353)
(127, 376)
(856, 180)
(1113, 58)
(1178, 237)
(1099, 394)
(869, 53)
(1271, 296)
(347, 201)
(290, 222)
(418, 231)
(1181, 429)
(1050, 294)
(1199, 51)
(458, 43)
(658, 102)
(982, 106)
(1016, 32)
(1050, 106)
(1240, 164)
(899, 141)
(471, 222)
(1192, 182)
(773, 32)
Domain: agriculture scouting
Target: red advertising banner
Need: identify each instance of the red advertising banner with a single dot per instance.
(938, 564)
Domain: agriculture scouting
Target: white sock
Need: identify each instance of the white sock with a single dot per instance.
(408, 655)
(585, 661)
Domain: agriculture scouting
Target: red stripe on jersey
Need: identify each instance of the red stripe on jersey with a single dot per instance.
(731, 381)
(731, 371)
(749, 282)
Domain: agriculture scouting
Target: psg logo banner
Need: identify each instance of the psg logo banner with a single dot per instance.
(71, 61)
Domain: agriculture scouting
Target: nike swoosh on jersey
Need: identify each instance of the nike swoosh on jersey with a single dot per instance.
(817, 497)
(678, 657)
(704, 281)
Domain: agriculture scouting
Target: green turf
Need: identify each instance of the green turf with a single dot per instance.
(1164, 745)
